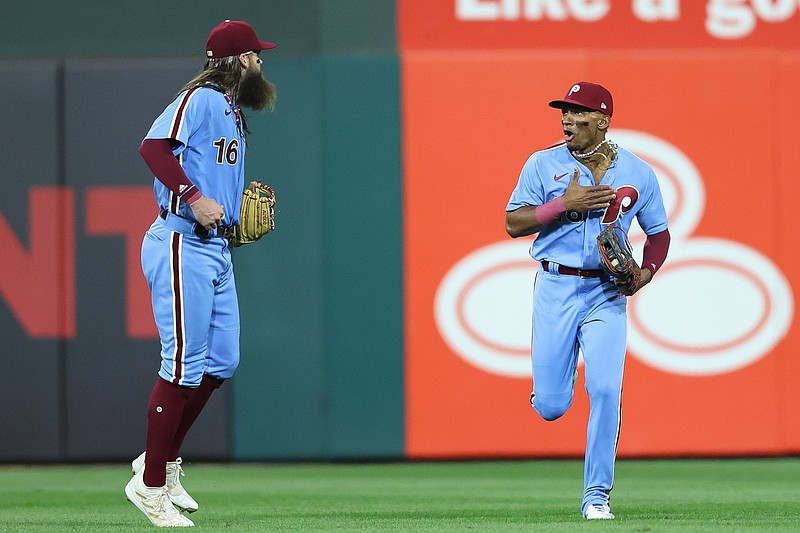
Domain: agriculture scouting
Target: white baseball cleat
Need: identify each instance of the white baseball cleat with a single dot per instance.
(598, 512)
(180, 498)
(154, 503)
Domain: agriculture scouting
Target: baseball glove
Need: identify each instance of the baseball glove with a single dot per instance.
(616, 256)
(257, 215)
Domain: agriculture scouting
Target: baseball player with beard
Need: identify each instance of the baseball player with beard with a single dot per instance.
(567, 194)
(196, 150)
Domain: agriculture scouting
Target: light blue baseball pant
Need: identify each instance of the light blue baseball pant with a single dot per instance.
(572, 313)
(195, 305)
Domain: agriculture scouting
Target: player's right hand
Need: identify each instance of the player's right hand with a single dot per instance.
(207, 212)
(582, 198)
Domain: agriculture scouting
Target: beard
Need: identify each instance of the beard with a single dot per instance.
(255, 92)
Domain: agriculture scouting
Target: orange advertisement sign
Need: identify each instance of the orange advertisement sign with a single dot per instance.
(565, 24)
(712, 340)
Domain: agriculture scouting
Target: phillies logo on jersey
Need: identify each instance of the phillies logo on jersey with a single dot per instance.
(626, 198)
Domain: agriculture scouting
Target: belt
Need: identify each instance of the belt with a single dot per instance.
(182, 225)
(569, 271)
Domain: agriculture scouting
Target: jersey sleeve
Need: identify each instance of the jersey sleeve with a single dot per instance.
(180, 119)
(529, 189)
(158, 155)
(652, 216)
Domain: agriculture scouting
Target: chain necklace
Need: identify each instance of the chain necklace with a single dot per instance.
(235, 110)
(611, 144)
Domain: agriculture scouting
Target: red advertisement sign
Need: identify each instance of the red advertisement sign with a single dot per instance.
(593, 24)
(710, 361)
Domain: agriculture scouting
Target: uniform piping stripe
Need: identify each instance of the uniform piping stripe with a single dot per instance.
(177, 119)
(174, 199)
(616, 440)
(178, 355)
(173, 203)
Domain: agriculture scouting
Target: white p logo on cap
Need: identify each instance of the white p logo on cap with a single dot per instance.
(575, 88)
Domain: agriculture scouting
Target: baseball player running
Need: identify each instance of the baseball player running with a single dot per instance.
(567, 194)
(196, 150)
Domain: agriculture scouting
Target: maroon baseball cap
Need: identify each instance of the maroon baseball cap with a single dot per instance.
(234, 37)
(588, 95)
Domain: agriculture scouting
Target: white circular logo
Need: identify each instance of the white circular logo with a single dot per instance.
(715, 306)
(484, 306)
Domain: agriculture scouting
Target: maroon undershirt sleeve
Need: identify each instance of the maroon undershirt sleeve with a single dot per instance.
(655, 250)
(157, 153)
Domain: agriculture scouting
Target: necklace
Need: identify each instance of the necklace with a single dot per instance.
(235, 110)
(611, 144)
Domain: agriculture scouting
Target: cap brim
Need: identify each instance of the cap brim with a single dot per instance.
(267, 46)
(559, 104)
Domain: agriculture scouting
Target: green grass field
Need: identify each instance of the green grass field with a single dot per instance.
(672, 495)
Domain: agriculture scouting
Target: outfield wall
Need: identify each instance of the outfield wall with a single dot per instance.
(388, 318)
(703, 91)
(321, 372)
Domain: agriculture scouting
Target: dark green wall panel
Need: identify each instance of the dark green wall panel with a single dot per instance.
(321, 371)
(123, 28)
(357, 26)
(279, 389)
(363, 296)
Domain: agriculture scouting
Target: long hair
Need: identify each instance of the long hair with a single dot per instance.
(223, 74)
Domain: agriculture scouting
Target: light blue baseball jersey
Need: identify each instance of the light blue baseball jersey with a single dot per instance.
(211, 149)
(572, 239)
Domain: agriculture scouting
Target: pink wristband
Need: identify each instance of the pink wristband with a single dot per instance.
(550, 211)
(195, 195)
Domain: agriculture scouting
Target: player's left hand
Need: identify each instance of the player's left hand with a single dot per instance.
(643, 278)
